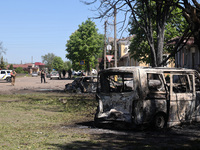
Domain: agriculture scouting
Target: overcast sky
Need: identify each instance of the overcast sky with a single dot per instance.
(32, 28)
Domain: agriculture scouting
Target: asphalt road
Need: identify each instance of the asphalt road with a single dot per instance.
(28, 84)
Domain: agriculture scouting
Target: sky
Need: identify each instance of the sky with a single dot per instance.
(30, 29)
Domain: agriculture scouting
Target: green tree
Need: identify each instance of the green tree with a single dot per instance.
(2, 65)
(84, 44)
(191, 12)
(140, 48)
(11, 67)
(57, 63)
(19, 70)
(48, 60)
(2, 49)
(146, 14)
(67, 65)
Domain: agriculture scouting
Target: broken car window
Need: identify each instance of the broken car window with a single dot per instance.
(116, 82)
(155, 82)
(181, 84)
(197, 81)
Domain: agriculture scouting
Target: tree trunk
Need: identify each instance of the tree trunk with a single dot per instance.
(162, 11)
(153, 56)
(88, 68)
(160, 40)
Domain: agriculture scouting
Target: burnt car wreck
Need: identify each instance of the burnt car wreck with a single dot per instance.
(163, 97)
(84, 84)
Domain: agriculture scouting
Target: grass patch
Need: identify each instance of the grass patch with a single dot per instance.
(34, 121)
(50, 121)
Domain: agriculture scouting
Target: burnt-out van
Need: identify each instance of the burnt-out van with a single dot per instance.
(162, 96)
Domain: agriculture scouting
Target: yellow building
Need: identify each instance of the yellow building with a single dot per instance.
(125, 58)
(124, 54)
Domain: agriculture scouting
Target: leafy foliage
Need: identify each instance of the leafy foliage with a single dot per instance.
(84, 44)
(2, 49)
(19, 70)
(48, 60)
(2, 65)
(140, 48)
(11, 67)
(151, 16)
(57, 63)
(67, 65)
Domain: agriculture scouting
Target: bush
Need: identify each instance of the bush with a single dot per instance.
(19, 70)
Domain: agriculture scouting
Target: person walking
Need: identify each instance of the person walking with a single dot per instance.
(13, 75)
(43, 76)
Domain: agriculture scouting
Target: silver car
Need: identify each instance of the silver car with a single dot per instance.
(54, 75)
(34, 74)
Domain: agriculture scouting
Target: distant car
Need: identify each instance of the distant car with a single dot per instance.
(54, 75)
(34, 74)
(5, 75)
(94, 71)
(79, 73)
(85, 84)
(74, 73)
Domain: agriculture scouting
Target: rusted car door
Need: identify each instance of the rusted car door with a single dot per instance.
(153, 107)
(182, 98)
(116, 96)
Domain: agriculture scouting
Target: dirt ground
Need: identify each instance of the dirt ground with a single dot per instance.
(25, 84)
(180, 137)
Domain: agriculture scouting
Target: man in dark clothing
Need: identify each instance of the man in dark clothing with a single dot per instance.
(43, 76)
(64, 73)
(69, 73)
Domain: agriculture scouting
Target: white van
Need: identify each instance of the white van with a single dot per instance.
(5, 75)
(163, 97)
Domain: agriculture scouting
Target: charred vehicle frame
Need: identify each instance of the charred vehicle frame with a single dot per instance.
(84, 84)
(163, 97)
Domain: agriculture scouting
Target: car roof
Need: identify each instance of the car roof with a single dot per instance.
(146, 69)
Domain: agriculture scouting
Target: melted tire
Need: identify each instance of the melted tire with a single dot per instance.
(160, 121)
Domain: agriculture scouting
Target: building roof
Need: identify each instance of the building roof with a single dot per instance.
(22, 65)
(39, 64)
(176, 39)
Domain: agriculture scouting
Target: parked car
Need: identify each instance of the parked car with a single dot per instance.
(74, 73)
(85, 84)
(79, 73)
(34, 74)
(5, 75)
(94, 71)
(54, 75)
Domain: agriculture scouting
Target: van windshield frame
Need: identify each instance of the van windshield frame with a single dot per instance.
(116, 82)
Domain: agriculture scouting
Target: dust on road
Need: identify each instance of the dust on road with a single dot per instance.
(32, 84)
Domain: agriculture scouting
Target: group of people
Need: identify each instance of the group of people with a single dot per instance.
(42, 74)
(13, 76)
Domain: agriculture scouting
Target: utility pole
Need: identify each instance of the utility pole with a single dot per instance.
(115, 41)
(105, 45)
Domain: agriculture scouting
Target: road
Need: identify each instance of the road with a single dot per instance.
(30, 84)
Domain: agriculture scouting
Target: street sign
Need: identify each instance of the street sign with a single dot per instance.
(109, 47)
(109, 57)
(82, 62)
